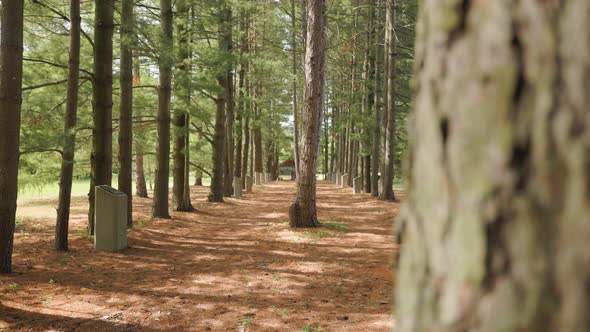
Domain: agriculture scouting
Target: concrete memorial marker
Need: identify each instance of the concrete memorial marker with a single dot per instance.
(338, 178)
(248, 184)
(237, 187)
(110, 215)
(344, 181)
(357, 185)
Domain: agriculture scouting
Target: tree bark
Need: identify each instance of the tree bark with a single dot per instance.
(101, 159)
(219, 142)
(294, 91)
(180, 193)
(126, 107)
(377, 105)
(495, 226)
(303, 212)
(387, 193)
(229, 107)
(11, 74)
(67, 161)
(140, 183)
(161, 184)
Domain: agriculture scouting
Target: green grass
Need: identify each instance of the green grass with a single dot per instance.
(79, 188)
(335, 225)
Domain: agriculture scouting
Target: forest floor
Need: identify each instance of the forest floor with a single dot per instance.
(235, 266)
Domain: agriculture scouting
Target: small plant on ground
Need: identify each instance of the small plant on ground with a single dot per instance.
(285, 313)
(12, 287)
(247, 322)
(273, 308)
(306, 328)
(47, 299)
(82, 233)
(64, 259)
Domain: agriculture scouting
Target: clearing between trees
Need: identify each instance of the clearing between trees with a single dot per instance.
(235, 266)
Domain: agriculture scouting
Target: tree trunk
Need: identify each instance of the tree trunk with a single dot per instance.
(180, 193)
(294, 92)
(126, 107)
(219, 143)
(101, 159)
(496, 222)
(375, 160)
(246, 147)
(303, 212)
(166, 60)
(11, 74)
(387, 193)
(140, 184)
(67, 161)
(198, 178)
(230, 112)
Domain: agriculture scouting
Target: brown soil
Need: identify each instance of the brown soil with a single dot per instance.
(226, 267)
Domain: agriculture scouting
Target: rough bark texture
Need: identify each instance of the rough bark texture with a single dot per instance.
(377, 105)
(180, 194)
(294, 91)
(496, 221)
(219, 143)
(161, 184)
(101, 159)
(303, 212)
(228, 168)
(140, 184)
(126, 107)
(67, 161)
(389, 111)
(11, 74)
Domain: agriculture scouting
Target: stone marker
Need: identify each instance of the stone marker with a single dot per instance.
(338, 178)
(237, 187)
(110, 218)
(257, 178)
(248, 184)
(357, 185)
(344, 181)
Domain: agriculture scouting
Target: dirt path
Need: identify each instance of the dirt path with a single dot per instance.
(226, 267)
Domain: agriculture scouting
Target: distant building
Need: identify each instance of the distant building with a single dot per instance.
(287, 170)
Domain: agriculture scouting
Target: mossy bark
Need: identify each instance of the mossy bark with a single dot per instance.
(496, 226)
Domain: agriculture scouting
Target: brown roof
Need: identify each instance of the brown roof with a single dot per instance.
(288, 163)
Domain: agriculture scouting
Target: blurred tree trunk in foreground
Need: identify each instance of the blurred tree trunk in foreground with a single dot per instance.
(496, 223)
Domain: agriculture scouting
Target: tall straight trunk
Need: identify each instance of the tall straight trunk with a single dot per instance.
(180, 191)
(11, 74)
(140, 184)
(389, 148)
(294, 88)
(246, 139)
(367, 173)
(161, 184)
(219, 140)
(126, 107)
(367, 99)
(507, 197)
(69, 145)
(230, 110)
(325, 122)
(241, 108)
(257, 136)
(101, 159)
(332, 148)
(377, 105)
(303, 212)
(385, 97)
